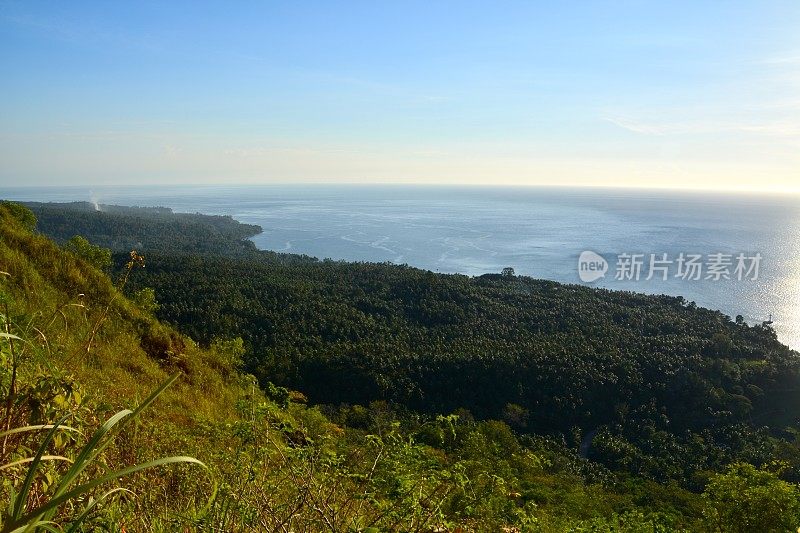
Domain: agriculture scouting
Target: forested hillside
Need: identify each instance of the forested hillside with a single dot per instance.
(666, 388)
(496, 401)
(124, 228)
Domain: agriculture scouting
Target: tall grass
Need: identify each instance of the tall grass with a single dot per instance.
(20, 516)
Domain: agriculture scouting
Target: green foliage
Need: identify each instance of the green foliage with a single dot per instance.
(629, 522)
(98, 257)
(146, 300)
(516, 415)
(144, 228)
(23, 215)
(746, 499)
(279, 395)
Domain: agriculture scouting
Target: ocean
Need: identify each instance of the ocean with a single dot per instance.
(747, 245)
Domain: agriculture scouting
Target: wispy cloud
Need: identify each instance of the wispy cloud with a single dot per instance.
(780, 128)
(637, 126)
(787, 59)
(171, 150)
(262, 151)
(71, 31)
(761, 100)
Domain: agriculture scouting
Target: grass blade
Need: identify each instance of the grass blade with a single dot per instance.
(31, 459)
(94, 448)
(26, 486)
(73, 526)
(83, 460)
(49, 526)
(55, 502)
(39, 427)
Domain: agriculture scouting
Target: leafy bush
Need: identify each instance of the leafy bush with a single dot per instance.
(98, 257)
(21, 214)
(745, 499)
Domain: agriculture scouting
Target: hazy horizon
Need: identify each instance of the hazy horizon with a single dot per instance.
(699, 190)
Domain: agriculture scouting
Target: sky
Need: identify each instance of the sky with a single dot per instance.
(626, 93)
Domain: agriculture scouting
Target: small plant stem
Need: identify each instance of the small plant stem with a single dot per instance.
(120, 286)
(12, 387)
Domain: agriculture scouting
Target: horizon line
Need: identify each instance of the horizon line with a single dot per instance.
(730, 190)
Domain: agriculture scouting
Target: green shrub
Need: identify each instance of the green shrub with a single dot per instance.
(98, 257)
(21, 214)
(746, 499)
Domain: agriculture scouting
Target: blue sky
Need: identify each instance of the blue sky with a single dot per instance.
(701, 94)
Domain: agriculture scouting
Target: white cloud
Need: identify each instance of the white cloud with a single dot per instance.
(780, 128)
(789, 59)
(171, 150)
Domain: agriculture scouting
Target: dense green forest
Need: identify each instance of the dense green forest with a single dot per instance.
(124, 228)
(510, 402)
(666, 389)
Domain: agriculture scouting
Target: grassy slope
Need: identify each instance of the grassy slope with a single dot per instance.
(66, 299)
(57, 302)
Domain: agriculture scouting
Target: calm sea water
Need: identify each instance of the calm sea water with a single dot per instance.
(537, 231)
